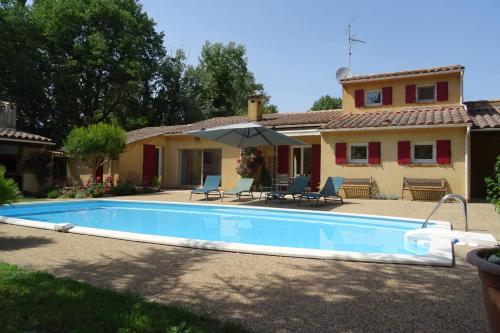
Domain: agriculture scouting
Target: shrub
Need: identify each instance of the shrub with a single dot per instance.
(54, 193)
(69, 192)
(80, 195)
(123, 188)
(156, 184)
(96, 187)
(493, 186)
(9, 191)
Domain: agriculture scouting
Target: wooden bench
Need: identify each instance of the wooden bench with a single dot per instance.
(424, 188)
(358, 187)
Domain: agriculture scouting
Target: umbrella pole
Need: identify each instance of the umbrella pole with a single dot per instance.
(274, 168)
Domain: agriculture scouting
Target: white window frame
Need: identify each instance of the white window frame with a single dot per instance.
(425, 100)
(373, 104)
(423, 161)
(357, 160)
(294, 164)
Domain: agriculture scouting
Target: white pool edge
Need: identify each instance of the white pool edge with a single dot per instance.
(440, 251)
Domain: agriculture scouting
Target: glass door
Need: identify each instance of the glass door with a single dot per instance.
(196, 164)
(191, 167)
(302, 161)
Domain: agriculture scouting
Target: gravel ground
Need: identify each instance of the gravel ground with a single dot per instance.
(275, 294)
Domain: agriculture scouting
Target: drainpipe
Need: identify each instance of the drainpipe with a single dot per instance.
(467, 163)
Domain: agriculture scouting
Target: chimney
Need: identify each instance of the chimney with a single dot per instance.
(7, 114)
(255, 107)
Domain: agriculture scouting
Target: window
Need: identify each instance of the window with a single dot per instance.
(358, 153)
(426, 94)
(423, 153)
(374, 98)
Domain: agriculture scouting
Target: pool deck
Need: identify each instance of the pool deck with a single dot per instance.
(276, 294)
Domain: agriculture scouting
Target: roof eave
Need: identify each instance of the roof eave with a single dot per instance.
(357, 129)
(47, 143)
(395, 77)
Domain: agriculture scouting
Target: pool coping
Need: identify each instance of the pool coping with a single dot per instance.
(440, 251)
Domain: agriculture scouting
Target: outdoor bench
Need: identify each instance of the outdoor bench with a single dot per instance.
(358, 187)
(425, 188)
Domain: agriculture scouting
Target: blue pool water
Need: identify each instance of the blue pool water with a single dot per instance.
(272, 227)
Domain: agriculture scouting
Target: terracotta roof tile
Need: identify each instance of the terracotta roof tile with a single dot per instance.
(486, 117)
(14, 134)
(280, 120)
(388, 75)
(449, 115)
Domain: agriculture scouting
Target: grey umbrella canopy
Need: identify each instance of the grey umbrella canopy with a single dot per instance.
(245, 135)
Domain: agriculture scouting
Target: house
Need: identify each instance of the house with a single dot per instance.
(18, 148)
(393, 125)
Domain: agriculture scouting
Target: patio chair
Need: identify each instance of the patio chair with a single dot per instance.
(330, 189)
(282, 182)
(244, 186)
(211, 185)
(296, 189)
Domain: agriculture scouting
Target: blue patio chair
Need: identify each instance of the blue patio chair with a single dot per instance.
(330, 189)
(244, 186)
(296, 189)
(211, 185)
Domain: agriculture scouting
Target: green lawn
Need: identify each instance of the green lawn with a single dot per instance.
(40, 302)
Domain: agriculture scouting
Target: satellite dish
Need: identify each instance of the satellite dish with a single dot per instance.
(343, 73)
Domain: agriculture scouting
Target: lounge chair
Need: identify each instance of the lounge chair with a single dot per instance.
(330, 189)
(244, 186)
(296, 189)
(211, 185)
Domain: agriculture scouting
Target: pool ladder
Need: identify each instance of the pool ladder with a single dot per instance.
(450, 196)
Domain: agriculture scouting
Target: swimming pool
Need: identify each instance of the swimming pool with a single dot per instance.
(286, 232)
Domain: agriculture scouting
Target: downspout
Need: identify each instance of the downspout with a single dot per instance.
(467, 163)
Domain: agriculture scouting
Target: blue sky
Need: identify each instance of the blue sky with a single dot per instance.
(294, 47)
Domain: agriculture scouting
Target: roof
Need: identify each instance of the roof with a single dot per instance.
(484, 114)
(423, 117)
(415, 72)
(10, 134)
(312, 119)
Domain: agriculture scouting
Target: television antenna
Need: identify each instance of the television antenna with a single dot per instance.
(351, 39)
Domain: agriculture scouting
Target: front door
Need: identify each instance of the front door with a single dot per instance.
(149, 164)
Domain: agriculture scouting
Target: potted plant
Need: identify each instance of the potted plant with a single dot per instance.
(487, 261)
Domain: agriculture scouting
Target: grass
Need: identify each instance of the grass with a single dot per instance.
(40, 302)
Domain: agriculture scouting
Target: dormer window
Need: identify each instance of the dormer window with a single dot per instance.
(426, 93)
(374, 98)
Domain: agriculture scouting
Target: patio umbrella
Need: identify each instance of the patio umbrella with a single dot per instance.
(246, 135)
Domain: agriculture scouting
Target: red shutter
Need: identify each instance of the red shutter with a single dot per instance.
(387, 96)
(374, 152)
(315, 166)
(411, 91)
(340, 153)
(149, 164)
(359, 98)
(283, 154)
(442, 91)
(443, 151)
(404, 148)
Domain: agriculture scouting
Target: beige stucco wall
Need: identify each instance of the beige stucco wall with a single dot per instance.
(389, 174)
(78, 171)
(131, 159)
(399, 91)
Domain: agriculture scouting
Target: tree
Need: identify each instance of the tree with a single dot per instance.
(97, 61)
(178, 91)
(327, 102)
(225, 80)
(96, 144)
(493, 186)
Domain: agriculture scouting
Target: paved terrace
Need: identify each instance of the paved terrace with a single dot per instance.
(276, 294)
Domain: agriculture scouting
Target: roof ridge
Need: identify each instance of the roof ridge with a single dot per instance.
(404, 72)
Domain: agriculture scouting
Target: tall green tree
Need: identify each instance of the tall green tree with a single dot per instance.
(103, 57)
(327, 102)
(225, 79)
